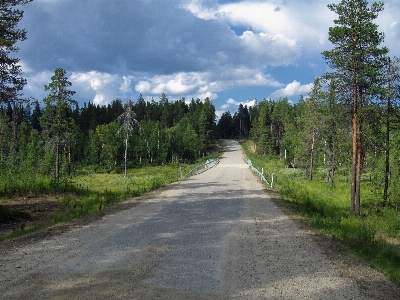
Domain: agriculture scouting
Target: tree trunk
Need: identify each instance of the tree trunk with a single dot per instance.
(312, 156)
(14, 148)
(126, 153)
(357, 197)
(354, 154)
(387, 154)
(359, 167)
(69, 156)
(330, 159)
(57, 161)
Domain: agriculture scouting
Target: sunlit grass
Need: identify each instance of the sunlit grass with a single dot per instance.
(145, 178)
(88, 191)
(327, 207)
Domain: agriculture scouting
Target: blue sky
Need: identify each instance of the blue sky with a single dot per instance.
(230, 51)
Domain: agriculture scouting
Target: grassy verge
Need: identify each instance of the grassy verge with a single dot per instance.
(373, 236)
(85, 192)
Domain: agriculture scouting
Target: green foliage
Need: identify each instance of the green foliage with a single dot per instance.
(325, 206)
(88, 191)
(225, 126)
(11, 81)
(56, 123)
(357, 62)
(109, 144)
(261, 131)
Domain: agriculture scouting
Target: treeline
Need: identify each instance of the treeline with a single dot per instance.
(316, 134)
(350, 118)
(50, 138)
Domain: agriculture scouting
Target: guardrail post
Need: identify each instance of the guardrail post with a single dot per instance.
(272, 180)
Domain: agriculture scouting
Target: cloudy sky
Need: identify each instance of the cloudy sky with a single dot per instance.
(231, 51)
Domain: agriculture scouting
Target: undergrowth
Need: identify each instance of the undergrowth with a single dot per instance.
(87, 191)
(327, 207)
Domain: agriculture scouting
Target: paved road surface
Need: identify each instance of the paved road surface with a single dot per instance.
(215, 235)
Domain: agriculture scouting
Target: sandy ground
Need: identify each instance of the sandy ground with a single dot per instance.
(216, 235)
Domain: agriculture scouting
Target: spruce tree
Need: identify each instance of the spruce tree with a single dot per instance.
(55, 121)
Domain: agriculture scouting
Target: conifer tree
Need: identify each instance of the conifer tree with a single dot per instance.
(355, 59)
(391, 95)
(11, 81)
(55, 121)
(313, 120)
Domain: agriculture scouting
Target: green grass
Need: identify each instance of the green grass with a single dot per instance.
(88, 191)
(327, 208)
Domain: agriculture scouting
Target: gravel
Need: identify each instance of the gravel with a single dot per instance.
(216, 235)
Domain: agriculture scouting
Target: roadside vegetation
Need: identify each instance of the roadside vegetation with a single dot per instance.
(334, 153)
(374, 235)
(85, 192)
(60, 160)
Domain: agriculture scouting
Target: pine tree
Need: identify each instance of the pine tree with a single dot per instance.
(11, 81)
(262, 128)
(356, 59)
(55, 121)
(35, 117)
(282, 115)
(391, 95)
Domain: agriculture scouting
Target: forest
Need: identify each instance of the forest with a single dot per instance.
(343, 137)
(347, 123)
(158, 133)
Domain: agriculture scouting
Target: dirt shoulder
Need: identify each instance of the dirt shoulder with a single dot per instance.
(42, 211)
(375, 284)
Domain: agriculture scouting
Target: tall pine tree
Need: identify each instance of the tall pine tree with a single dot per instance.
(355, 59)
(55, 121)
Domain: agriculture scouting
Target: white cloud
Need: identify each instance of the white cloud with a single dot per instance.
(291, 20)
(126, 85)
(202, 12)
(143, 87)
(291, 90)
(225, 107)
(209, 95)
(232, 105)
(211, 49)
(175, 84)
(219, 113)
(35, 84)
(389, 24)
(204, 84)
(101, 88)
(259, 15)
(273, 49)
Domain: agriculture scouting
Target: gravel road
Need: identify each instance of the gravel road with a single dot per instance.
(216, 235)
